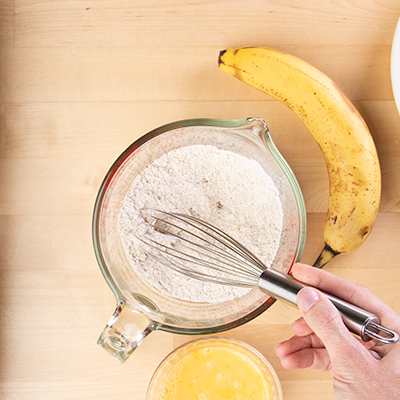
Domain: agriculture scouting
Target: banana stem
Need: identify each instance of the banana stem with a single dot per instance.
(221, 53)
(326, 255)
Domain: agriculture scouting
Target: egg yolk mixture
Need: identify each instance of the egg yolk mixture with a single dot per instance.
(215, 374)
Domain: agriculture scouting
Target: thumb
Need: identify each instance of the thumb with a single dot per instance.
(326, 322)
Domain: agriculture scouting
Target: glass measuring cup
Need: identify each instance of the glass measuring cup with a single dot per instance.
(141, 308)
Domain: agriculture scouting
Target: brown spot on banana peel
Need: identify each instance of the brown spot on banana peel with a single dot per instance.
(335, 218)
(364, 231)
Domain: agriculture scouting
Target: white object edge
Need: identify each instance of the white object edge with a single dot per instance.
(395, 66)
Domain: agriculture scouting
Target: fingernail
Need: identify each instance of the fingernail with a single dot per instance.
(306, 298)
(295, 322)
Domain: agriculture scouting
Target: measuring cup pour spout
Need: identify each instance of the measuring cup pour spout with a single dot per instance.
(125, 331)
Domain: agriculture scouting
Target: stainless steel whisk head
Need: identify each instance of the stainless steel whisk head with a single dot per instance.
(198, 249)
(202, 251)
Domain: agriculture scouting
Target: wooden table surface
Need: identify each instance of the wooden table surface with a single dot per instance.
(79, 82)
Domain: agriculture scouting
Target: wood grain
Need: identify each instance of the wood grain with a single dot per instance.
(79, 82)
(7, 23)
(174, 73)
(203, 22)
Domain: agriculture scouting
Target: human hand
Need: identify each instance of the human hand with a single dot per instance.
(361, 370)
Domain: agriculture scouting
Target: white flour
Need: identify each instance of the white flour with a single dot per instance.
(228, 190)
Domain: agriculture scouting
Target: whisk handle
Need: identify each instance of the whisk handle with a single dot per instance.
(358, 321)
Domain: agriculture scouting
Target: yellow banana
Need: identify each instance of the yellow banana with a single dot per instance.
(344, 138)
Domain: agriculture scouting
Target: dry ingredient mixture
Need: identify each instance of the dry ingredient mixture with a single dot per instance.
(221, 187)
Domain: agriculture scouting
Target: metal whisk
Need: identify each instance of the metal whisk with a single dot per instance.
(202, 251)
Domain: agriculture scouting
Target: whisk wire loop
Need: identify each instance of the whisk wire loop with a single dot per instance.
(198, 244)
(207, 246)
(223, 266)
(179, 264)
(228, 241)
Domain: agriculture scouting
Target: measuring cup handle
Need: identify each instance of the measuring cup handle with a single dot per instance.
(125, 331)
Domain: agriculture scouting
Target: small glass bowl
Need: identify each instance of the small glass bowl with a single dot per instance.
(269, 382)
